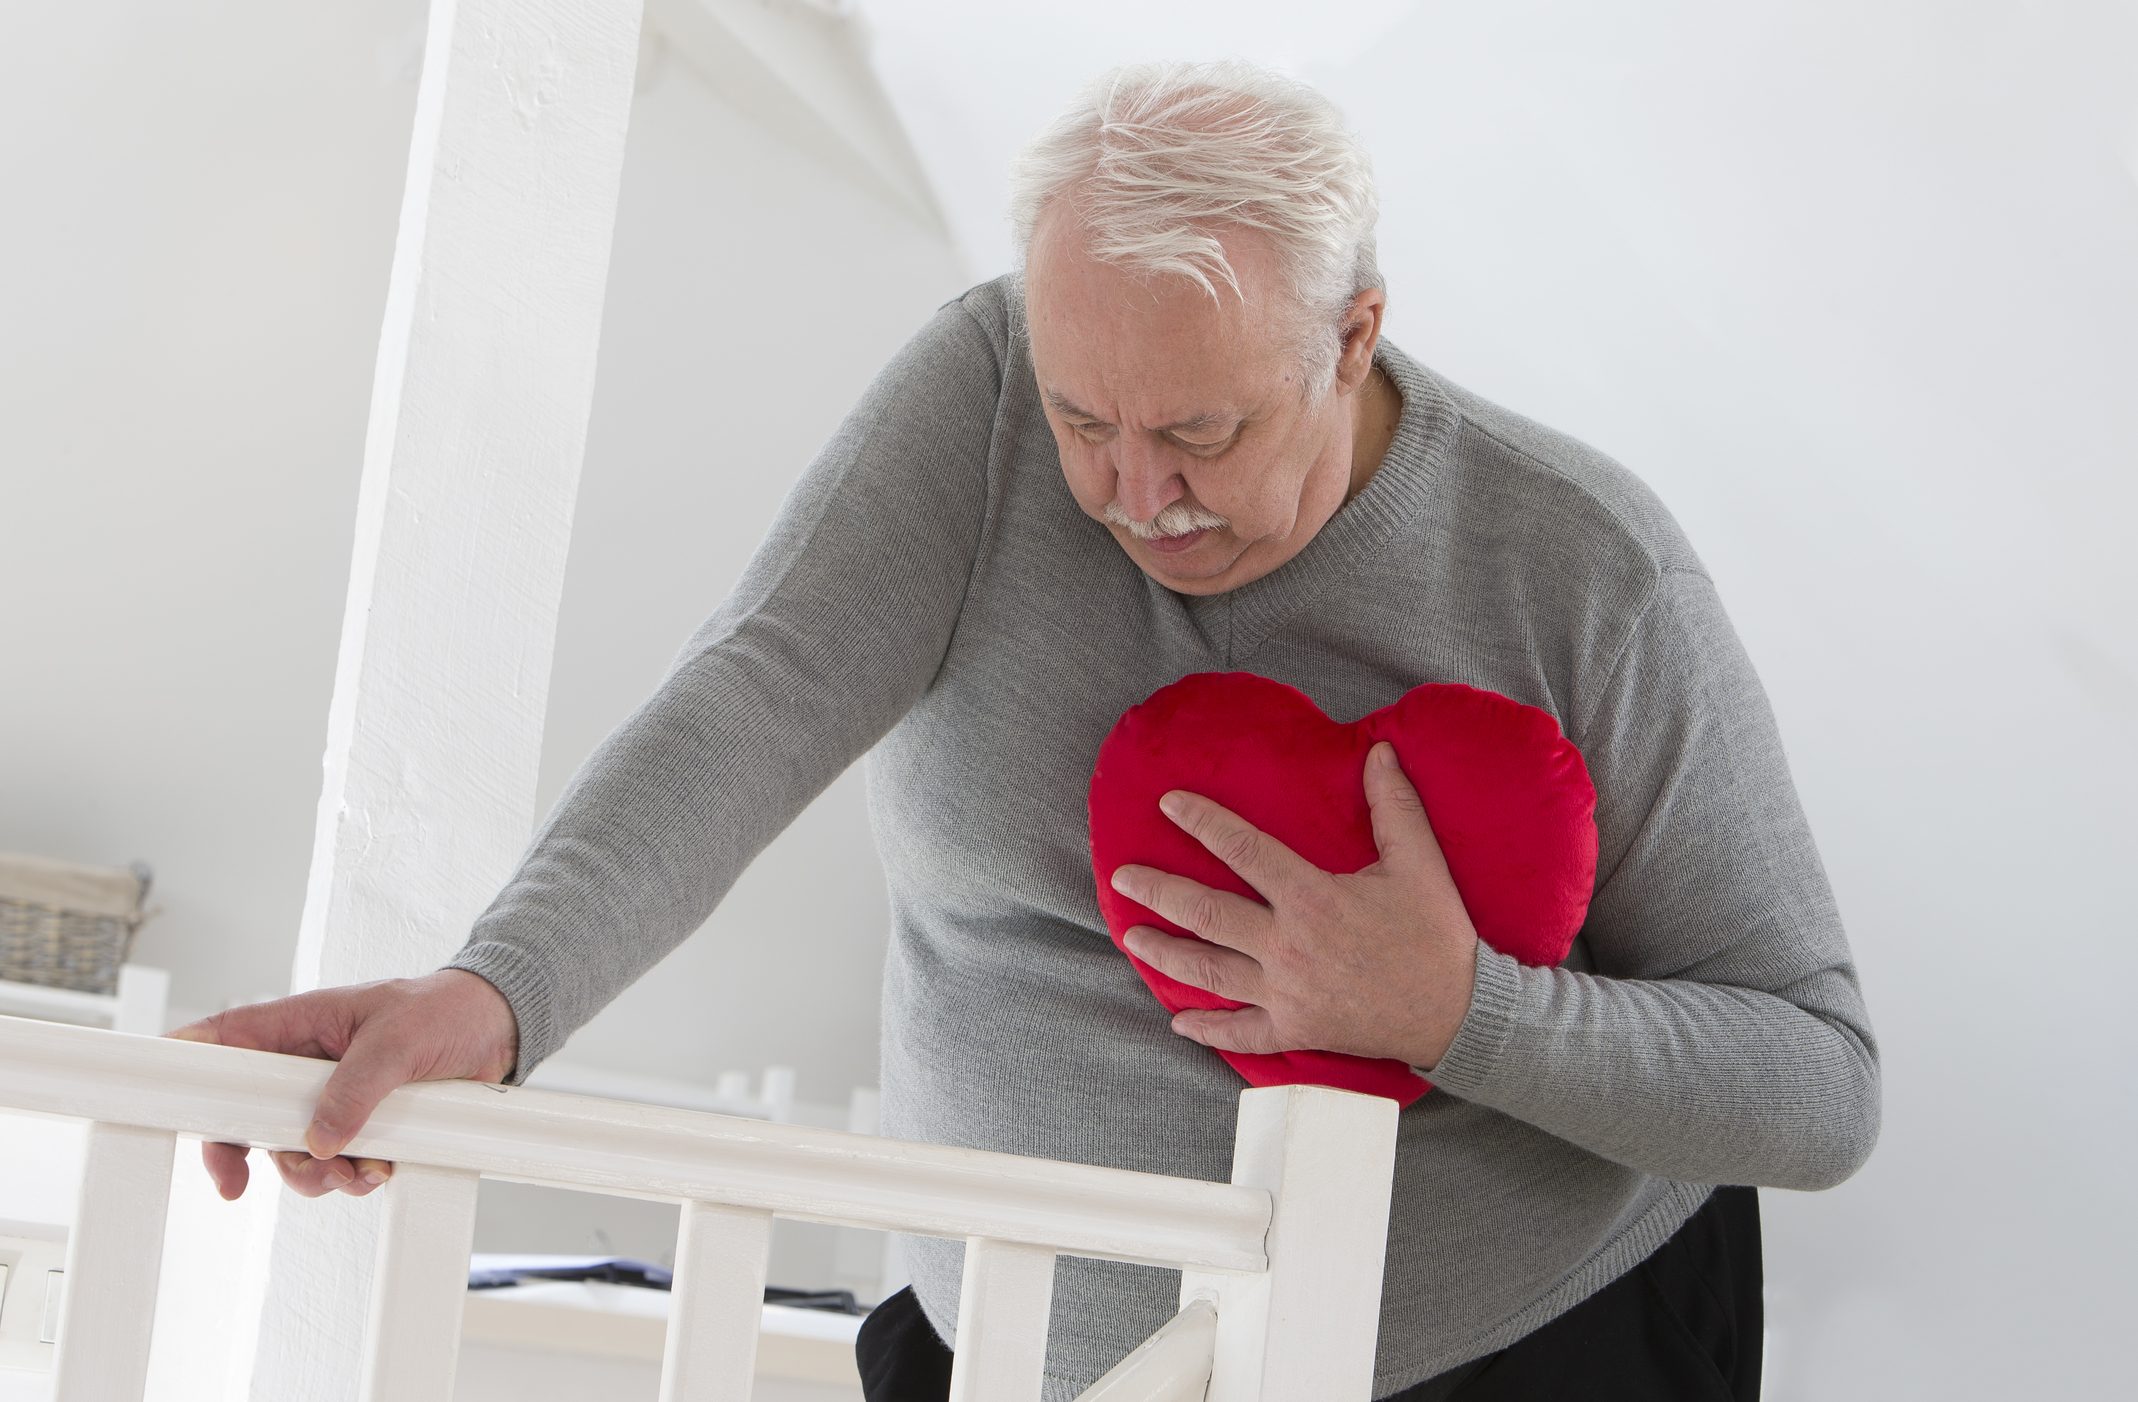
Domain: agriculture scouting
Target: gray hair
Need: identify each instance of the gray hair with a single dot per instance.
(1157, 156)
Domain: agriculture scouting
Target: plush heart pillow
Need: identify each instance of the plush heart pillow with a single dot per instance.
(1506, 793)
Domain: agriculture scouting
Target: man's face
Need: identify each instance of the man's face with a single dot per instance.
(1181, 421)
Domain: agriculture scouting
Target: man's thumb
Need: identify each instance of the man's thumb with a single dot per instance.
(1400, 828)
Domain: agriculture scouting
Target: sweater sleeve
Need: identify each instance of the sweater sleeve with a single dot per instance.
(833, 632)
(1721, 1037)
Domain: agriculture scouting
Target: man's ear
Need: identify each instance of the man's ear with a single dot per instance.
(1360, 333)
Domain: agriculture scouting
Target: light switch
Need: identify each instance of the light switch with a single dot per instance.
(55, 1301)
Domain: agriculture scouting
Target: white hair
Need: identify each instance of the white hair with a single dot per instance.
(1157, 157)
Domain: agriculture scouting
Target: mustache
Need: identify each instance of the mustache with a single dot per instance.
(1176, 519)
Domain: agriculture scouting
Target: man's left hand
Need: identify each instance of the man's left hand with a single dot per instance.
(1379, 963)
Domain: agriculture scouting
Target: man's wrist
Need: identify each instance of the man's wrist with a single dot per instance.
(1450, 1015)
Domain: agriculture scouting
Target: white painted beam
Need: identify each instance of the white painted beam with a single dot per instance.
(471, 468)
(801, 69)
(1305, 1330)
(113, 1253)
(484, 382)
(1000, 1354)
(716, 1306)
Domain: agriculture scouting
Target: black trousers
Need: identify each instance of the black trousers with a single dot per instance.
(1682, 1326)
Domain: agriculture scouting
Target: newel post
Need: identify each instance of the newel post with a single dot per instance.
(1305, 1330)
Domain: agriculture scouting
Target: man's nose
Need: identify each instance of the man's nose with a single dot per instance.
(1145, 484)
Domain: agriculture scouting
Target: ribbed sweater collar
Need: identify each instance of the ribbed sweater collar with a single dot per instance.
(1240, 620)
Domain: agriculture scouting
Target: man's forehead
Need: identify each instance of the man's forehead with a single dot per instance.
(1152, 352)
(1202, 417)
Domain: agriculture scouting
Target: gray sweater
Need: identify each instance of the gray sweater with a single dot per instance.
(931, 596)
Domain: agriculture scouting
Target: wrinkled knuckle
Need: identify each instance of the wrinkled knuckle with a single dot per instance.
(1239, 848)
(1206, 914)
(1204, 972)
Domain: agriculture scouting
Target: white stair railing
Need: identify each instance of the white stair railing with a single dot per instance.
(1281, 1267)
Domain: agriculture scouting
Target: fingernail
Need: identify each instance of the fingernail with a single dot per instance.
(190, 1034)
(374, 1177)
(1386, 754)
(1172, 804)
(319, 1132)
(1118, 881)
(337, 1179)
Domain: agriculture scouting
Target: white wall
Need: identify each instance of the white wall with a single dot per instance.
(1855, 286)
(194, 279)
(200, 212)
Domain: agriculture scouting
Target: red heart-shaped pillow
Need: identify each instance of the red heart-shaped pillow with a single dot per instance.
(1507, 795)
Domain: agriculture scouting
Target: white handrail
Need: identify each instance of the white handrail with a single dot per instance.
(818, 1175)
(1280, 1268)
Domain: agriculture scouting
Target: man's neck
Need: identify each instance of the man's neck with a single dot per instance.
(1373, 428)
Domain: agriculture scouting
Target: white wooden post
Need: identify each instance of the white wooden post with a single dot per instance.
(420, 1284)
(1305, 1330)
(713, 1317)
(113, 1253)
(478, 421)
(1003, 1304)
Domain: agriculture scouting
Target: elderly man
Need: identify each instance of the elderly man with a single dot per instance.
(1178, 444)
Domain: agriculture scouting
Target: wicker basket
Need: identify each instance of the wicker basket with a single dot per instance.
(67, 926)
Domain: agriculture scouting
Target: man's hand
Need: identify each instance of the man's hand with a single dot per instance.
(447, 1026)
(1378, 964)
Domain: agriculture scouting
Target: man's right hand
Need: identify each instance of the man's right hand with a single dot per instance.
(447, 1026)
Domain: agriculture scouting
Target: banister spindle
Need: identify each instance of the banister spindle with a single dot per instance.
(717, 1303)
(113, 1255)
(1001, 1348)
(412, 1343)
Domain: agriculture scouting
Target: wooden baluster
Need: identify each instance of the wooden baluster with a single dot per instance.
(1172, 1365)
(1002, 1322)
(113, 1255)
(412, 1343)
(717, 1304)
(1305, 1330)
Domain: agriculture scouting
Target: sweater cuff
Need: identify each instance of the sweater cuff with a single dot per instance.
(1486, 1028)
(508, 969)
